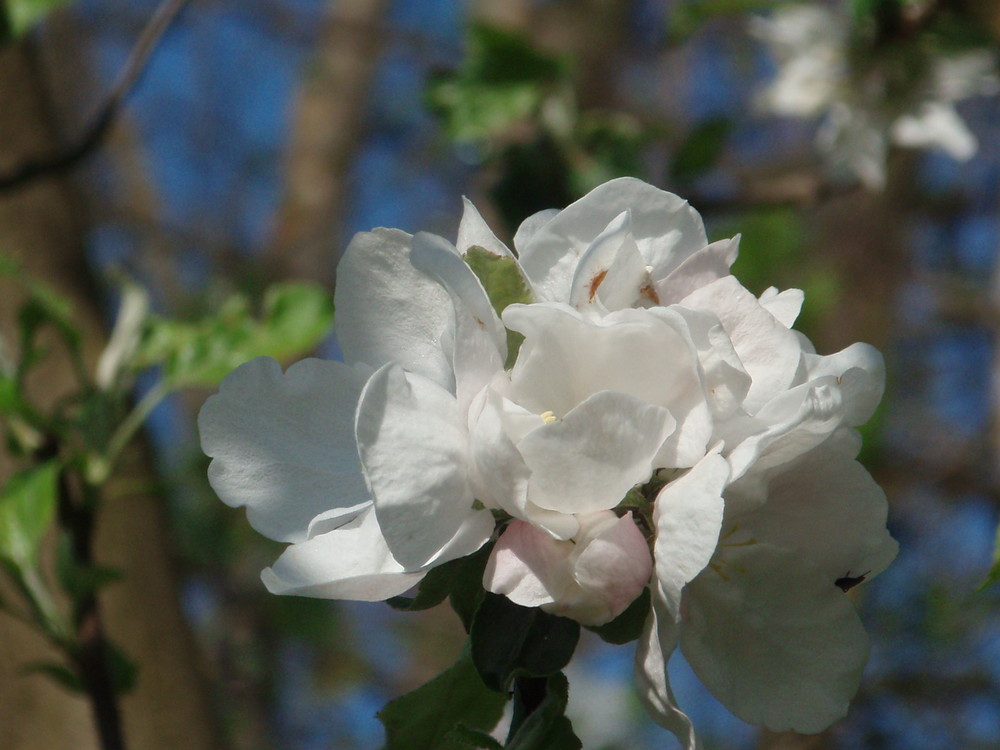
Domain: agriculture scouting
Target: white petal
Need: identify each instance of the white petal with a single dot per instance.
(473, 231)
(283, 444)
(388, 311)
(480, 342)
(688, 516)
(530, 226)
(768, 350)
(776, 643)
(351, 562)
(500, 474)
(588, 460)
(611, 272)
(413, 446)
(666, 230)
(656, 644)
(526, 566)
(860, 372)
(698, 269)
(828, 507)
(784, 306)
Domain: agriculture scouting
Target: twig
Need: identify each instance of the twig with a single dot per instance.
(65, 158)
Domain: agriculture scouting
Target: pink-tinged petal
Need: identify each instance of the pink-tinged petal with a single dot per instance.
(528, 566)
(784, 306)
(413, 445)
(826, 505)
(283, 444)
(388, 311)
(592, 579)
(590, 458)
(773, 640)
(351, 562)
(688, 517)
(770, 352)
(698, 269)
(479, 342)
(656, 644)
(613, 567)
(860, 371)
(611, 273)
(666, 230)
(473, 231)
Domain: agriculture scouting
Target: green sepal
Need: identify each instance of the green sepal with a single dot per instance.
(62, 674)
(425, 719)
(509, 640)
(627, 627)
(505, 284)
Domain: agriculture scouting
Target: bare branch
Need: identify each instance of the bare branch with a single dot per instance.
(66, 158)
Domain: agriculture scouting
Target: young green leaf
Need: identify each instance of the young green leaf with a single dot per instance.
(510, 640)
(58, 672)
(426, 718)
(27, 507)
(547, 728)
(994, 574)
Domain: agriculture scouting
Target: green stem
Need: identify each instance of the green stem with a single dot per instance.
(127, 429)
(529, 692)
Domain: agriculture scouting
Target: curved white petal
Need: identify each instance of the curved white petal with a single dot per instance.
(351, 562)
(282, 444)
(773, 640)
(590, 458)
(827, 505)
(770, 352)
(388, 311)
(656, 644)
(530, 226)
(665, 228)
(473, 231)
(479, 346)
(611, 273)
(413, 445)
(703, 267)
(688, 516)
(860, 372)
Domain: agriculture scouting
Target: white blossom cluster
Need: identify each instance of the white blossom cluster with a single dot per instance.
(632, 417)
(859, 118)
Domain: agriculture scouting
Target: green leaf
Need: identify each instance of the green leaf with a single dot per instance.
(628, 625)
(58, 672)
(124, 672)
(23, 14)
(472, 738)
(293, 319)
(701, 149)
(79, 580)
(509, 640)
(547, 728)
(431, 591)
(503, 79)
(27, 507)
(994, 574)
(505, 284)
(467, 586)
(45, 308)
(426, 718)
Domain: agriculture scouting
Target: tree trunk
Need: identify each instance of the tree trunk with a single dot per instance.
(43, 226)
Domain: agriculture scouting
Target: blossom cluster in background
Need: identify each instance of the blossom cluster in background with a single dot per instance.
(893, 96)
(613, 404)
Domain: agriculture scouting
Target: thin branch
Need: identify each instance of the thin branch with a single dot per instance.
(66, 158)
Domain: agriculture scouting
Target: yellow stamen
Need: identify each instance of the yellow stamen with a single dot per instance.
(549, 417)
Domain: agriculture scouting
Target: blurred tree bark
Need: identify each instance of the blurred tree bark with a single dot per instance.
(328, 123)
(43, 226)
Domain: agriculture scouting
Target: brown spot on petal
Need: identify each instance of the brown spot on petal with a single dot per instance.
(649, 292)
(596, 282)
(481, 324)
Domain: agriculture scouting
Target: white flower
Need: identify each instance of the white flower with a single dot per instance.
(859, 119)
(652, 400)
